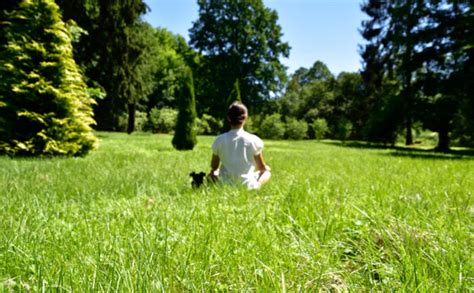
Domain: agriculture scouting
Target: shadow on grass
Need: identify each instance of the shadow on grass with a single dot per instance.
(413, 152)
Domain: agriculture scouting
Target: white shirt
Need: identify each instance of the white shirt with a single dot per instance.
(236, 150)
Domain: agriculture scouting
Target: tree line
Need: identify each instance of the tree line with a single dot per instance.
(417, 73)
(418, 67)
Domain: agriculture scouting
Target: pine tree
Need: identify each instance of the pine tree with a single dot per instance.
(233, 96)
(44, 104)
(185, 133)
(392, 52)
(113, 54)
(235, 93)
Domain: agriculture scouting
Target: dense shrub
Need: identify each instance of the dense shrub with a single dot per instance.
(141, 121)
(272, 127)
(162, 120)
(320, 128)
(202, 127)
(384, 122)
(185, 131)
(253, 124)
(44, 104)
(343, 129)
(215, 125)
(296, 129)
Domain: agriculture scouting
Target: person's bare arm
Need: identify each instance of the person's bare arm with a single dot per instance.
(263, 169)
(215, 161)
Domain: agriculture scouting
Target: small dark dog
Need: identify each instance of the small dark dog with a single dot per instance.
(198, 179)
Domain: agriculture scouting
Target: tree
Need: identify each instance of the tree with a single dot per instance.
(5, 6)
(296, 129)
(44, 104)
(112, 54)
(185, 133)
(425, 48)
(352, 101)
(464, 38)
(383, 121)
(308, 93)
(235, 93)
(393, 35)
(170, 57)
(445, 80)
(272, 127)
(239, 40)
(233, 96)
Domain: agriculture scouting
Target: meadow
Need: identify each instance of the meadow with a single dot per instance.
(333, 217)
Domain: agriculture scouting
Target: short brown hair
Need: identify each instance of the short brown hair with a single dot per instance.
(237, 113)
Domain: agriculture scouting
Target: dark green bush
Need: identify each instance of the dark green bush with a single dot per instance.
(320, 128)
(162, 120)
(185, 133)
(343, 129)
(272, 127)
(296, 129)
(141, 122)
(210, 125)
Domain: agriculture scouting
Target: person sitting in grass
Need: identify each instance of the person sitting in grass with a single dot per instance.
(239, 153)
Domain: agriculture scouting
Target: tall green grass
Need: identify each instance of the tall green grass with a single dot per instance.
(332, 217)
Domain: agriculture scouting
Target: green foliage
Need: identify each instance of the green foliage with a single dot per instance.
(384, 123)
(422, 47)
(320, 128)
(170, 58)
(353, 102)
(303, 76)
(115, 54)
(296, 129)
(202, 127)
(311, 94)
(233, 96)
(240, 40)
(343, 129)
(272, 127)
(314, 93)
(45, 108)
(141, 122)
(235, 93)
(162, 120)
(208, 125)
(253, 123)
(185, 133)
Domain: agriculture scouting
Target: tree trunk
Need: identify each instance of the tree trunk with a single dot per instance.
(131, 118)
(409, 135)
(443, 141)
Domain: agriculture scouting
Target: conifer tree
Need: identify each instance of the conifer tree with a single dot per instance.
(113, 55)
(233, 96)
(185, 132)
(44, 104)
(235, 93)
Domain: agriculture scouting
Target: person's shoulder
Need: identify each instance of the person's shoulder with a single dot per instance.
(252, 137)
(221, 137)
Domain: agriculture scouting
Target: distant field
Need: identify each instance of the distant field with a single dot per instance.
(333, 217)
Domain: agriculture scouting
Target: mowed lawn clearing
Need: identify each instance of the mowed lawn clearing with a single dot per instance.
(333, 217)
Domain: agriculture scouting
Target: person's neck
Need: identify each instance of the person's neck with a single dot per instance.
(237, 126)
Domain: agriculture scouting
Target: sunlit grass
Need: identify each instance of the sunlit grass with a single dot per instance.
(125, 218)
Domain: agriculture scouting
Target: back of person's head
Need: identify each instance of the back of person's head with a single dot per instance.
(237, 113)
